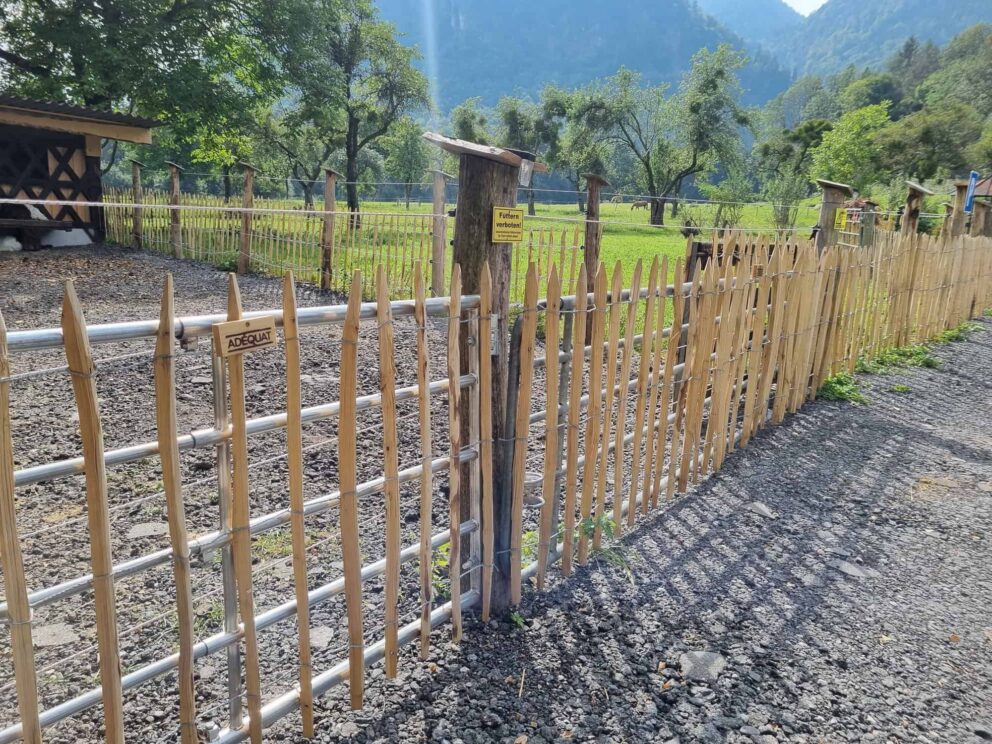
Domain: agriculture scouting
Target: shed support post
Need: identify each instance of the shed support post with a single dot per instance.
(327, 238)
(138, 196)
(244, 256)
(175, 228)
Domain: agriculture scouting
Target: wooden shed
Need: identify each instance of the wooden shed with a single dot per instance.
(51, 152)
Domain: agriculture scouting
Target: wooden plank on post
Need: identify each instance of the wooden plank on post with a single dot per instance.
(240, 518)
(520, 434)
(611, 382)
(247, 200)
(648, 342)
(426, 457)
(594, 422)
(327, 234)
(551, 451)
(574, 401)
(11, 560)
(622, 395)
(294, 442)
(347, 456)
(486, 434)
(168, 431)
(175, 228)
(390, 451)
(82, 371)
(454, 455)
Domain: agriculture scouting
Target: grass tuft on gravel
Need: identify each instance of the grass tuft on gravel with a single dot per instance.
(842, 386)
(900, 388)
(917, 355)
(955, 335)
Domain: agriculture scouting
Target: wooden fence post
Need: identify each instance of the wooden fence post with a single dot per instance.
(327, 238)
(175, 227)
(247, 199)
(439, 232)
(832, 199)
(979, 219)
(914, 204)
(488, 177)
(11, 560)
(958, 217)
(947, 227)
(593, 184)
(138, 196)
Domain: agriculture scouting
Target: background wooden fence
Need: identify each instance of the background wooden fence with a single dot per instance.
(672, 379)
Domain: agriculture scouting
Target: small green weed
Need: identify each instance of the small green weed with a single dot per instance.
(842, 386)
(439, 572)
(954, 335)
(518, 619)
(917, 355)
(988, 312)
(900, 388)
(274, 544)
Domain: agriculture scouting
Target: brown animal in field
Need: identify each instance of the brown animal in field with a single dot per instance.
(640, 204)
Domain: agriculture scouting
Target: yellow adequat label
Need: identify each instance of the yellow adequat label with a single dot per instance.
(242, 336)
(508, 225)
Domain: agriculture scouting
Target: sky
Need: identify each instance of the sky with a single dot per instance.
(805, 6)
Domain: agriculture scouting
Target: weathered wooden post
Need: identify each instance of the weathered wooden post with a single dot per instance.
(247, 200)
(488, 177)
(137, 197)
(959, 219)
(175, 228)
(439, 232)
(979, 219)
(948, 224)
(914, 205)
(832, 199)
(327, 237)
(869, 218)
(594, 184)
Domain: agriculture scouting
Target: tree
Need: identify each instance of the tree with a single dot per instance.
(524, 126)
(849, 153)
(407, 155)
(932, 142)
(379, 83)
(199, 66)
(674, 138)
(574, 148)
(470, 123)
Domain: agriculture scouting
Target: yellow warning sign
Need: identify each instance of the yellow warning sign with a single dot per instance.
(508, 225)
(840, 222)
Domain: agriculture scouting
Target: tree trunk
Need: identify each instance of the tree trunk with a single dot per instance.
(580, 199)
(227, 184)
(407, 188)
(675, 208)
(307, 187)
(531, 209)
(351, 170)
(657, 211)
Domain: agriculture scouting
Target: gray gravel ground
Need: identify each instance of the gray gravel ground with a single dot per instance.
(859, 612)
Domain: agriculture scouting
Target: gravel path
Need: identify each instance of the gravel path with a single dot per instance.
(858, 612)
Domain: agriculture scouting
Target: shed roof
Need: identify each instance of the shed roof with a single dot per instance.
(63, 117)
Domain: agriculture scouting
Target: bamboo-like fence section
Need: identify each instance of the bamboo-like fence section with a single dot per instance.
(675, 377)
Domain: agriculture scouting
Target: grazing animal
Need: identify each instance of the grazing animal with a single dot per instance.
(616, 199)
(639, 204)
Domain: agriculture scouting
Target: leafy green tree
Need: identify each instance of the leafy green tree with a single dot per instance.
(673, 138)
(379, 83)
(469, 122)
(849, 152)
(931, 142)
(407, 156)
(869, 90)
